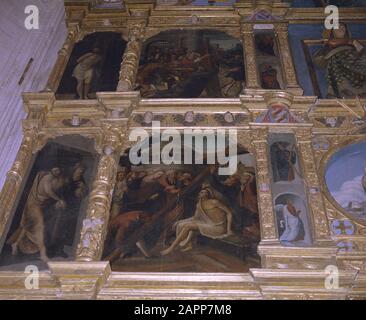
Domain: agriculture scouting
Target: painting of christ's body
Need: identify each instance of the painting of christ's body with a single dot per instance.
(170, 213)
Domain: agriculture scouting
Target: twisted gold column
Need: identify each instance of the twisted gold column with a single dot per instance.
(131, 56)
(93, 233)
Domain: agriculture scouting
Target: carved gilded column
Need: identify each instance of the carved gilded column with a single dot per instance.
(93, 233)
(63, 57)
(131, 56)
(315, 200)
(251, 72)
(289, 72)
(265, 202)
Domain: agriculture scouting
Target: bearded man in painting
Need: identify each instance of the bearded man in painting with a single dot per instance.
(29, 237)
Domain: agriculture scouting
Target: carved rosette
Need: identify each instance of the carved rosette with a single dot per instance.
(63, 57)
(265, 202)
(315, 199)
(281, 31)
(16, 175)
(93, 233)
(252, 78)
(131, 56)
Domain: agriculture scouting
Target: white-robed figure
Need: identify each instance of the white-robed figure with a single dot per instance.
(212, 219)
(85, 70)
(294, 227)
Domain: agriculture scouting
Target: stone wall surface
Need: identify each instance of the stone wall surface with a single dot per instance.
(17, 47)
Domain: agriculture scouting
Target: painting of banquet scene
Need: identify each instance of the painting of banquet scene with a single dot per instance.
(46, 223)
(191, 64)
(184, 218)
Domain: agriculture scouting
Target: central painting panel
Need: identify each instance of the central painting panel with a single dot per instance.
(184, 218)
(191, 64)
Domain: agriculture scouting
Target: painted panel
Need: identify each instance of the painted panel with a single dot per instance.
(191, 64)
(184, 218)
(46, 223)
(93, 66)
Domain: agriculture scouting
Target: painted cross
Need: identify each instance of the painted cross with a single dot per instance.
(343, 227)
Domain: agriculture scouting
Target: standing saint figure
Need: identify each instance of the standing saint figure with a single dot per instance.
(212, 219)
(29, 237)
(345, 62)
(84, 71)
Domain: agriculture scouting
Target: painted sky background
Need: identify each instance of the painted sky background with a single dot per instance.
(345, 165)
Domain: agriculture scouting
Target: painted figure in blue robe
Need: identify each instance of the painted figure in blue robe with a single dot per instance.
(291, 226)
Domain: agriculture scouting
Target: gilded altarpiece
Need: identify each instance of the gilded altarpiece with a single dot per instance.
(273, 121)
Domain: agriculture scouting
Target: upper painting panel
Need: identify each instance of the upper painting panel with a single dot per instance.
(93, 66)
(213, 3)
(191, 64)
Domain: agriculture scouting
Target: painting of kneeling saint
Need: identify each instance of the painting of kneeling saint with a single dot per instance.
(183, 218)
(44, 226)
(191, 64)
(292, 221)
(345, 177)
